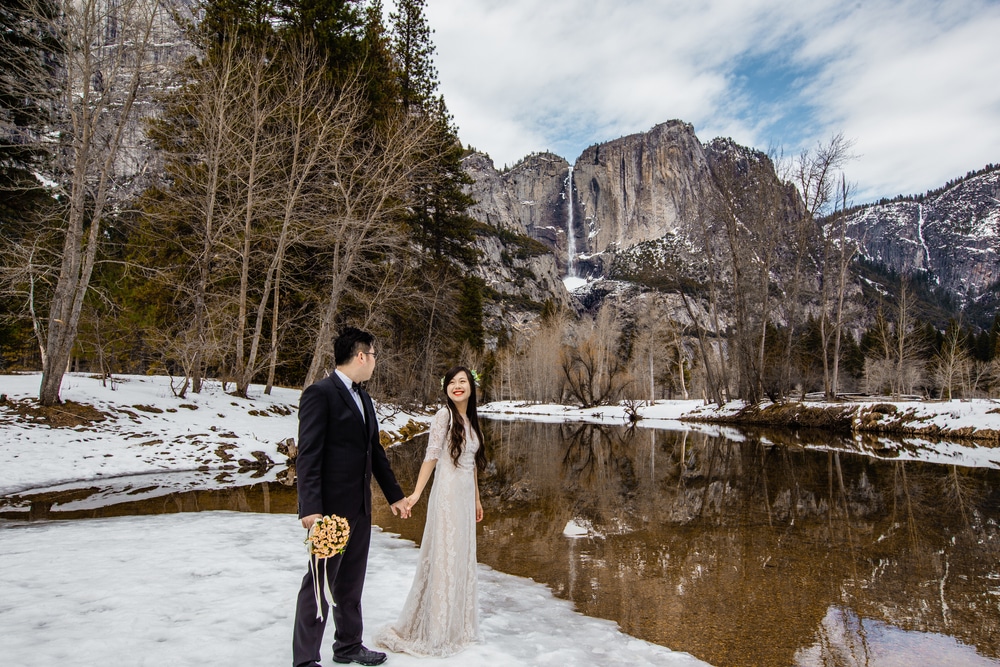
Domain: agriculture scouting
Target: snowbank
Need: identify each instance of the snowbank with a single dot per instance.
(147, 430)
(974, 419)
(218, 588)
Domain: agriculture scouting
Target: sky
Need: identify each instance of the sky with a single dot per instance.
(914, 84)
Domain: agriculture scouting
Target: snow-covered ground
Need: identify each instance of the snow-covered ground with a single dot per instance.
(149, 430)
(218, 588)
(661, 414)
(213, 588)
(949, 415)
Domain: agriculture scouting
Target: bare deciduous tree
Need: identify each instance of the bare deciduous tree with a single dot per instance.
(659, 356)
(310, 130)
(815, 174)
(952, 364)
(593, 362)
(754, 218)
(198, 210)
(894, 363)
(541, 377)
(368, 183)
(844, 251)
(104, 48)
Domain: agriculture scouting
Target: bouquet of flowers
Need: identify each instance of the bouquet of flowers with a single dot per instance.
(328, 536)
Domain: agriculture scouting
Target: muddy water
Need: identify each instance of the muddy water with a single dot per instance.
(758, 552)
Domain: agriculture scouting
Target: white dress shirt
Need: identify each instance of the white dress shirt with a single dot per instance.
(349, 383)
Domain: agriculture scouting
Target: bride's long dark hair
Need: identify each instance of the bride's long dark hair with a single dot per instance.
(457, 438)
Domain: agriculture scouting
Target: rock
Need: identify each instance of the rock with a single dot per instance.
(523, 272)
(412, 428)
(287, 447)
(641, 187)
(287, 476)
(261, 462)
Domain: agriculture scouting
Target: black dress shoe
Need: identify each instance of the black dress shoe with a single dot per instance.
(362, 656)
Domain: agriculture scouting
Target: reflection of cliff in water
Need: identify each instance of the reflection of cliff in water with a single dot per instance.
(737, 551)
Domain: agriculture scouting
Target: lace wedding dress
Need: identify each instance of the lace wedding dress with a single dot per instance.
(441, 616)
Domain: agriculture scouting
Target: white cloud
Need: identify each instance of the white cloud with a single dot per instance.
(920, 98)
(914, 83)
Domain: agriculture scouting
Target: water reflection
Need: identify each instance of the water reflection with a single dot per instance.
(158, 493)
(746, 553)
(845, 639)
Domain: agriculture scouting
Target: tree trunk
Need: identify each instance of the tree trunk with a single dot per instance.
(714, 395)
(88, 109)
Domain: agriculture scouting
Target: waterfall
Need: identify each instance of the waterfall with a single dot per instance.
(920, 236)
(570, 234)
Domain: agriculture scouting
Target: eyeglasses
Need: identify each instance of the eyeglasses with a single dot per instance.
(373, 355)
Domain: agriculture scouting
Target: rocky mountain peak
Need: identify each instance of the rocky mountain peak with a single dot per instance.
(640, 187)
(952, 236)
(653, 191)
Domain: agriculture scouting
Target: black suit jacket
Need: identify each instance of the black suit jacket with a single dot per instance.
(339, 452)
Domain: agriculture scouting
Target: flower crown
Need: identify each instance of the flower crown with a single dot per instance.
(475, 378)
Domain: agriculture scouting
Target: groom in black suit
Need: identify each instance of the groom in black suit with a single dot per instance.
(339, 452)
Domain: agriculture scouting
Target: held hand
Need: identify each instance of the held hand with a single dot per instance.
(401, 508)
(479, 511)
(308, 521)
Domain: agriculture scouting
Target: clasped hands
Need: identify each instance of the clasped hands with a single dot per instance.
(401, 508)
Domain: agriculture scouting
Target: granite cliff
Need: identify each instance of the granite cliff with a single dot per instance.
(618, 194)
(654, 191)
(642, 187)
(522, 272)
(952, 236)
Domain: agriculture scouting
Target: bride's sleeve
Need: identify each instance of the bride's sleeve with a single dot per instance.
(438, 435)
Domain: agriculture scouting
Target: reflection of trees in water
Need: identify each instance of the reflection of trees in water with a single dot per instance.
(709, 540)
(598, 463)
(841, 639)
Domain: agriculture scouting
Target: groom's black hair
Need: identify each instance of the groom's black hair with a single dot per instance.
(349, 343)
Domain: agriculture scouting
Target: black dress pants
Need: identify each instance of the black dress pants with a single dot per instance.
(346, 574)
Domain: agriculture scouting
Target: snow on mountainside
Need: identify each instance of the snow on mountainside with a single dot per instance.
(952, 235)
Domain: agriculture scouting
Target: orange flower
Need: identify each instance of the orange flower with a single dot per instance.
(328, 536)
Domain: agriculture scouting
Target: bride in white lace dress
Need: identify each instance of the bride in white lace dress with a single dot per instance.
(441, 614)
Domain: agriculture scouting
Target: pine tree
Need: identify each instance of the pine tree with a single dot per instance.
(994, 344)
(231, 19)
(414, 51)
(439, 221)
(26, 63)
(470, 314)
(378, 69)
(337, 26)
